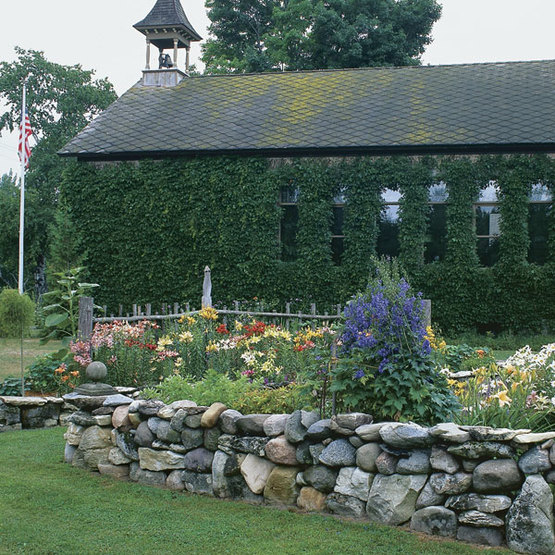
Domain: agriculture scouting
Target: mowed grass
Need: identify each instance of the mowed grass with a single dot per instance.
(50, 507)
(10, 350)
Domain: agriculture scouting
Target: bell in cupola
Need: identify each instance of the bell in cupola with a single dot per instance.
(167, 27)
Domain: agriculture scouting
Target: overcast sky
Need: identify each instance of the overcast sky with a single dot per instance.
(99, 35)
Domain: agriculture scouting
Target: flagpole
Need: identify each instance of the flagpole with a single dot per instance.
(22, 195)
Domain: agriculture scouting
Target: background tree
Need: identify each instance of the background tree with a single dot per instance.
(255, 35)
(9, 232)
(61, 100)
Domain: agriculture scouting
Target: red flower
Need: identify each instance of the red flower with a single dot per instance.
(222, 328)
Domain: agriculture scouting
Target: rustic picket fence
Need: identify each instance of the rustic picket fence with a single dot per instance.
(170, 313)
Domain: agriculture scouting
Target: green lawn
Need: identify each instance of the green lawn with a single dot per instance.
(50, 507)
(9, 354)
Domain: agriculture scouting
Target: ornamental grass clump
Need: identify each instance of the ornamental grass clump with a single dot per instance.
(385, 365)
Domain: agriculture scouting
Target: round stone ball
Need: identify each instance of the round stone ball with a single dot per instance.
(96, 371)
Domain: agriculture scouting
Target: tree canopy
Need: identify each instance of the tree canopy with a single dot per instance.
(270, 35)
(61, 100)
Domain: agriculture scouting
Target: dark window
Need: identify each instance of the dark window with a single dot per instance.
(436, 234)
(538, 223)
(487, 221)
(388, 235)
(436, 237)
(289, 225)
(337, 232)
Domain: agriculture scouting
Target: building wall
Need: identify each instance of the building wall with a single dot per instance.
(475, 235)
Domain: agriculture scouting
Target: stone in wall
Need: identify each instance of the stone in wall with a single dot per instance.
(157, 461)
(451, 484)
(319, 430)
(344, 505)
(437, 521)
(146, 477)
(280, 451)
(406, 436)
(535, 461)
(297, 425)
(195, 482)
(228, 421)
(256, 471)
(392, 499)
(321, 477)
(311, 499)
(210, 416)
(354, 482)
(366, 456)
(418, 462)
(529, 525)
(46, 416)
(251, 424)
(496, 476)
(478, 502)
(339, 453)
(10, 418)
(281, 486)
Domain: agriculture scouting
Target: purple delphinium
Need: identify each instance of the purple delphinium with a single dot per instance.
(386, 324)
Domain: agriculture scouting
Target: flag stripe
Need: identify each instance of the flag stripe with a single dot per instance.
(25, 131)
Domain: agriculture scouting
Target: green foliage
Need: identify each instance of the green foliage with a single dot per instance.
(215, 387)
(239, 394)
(62, 314)
(17, 313)
(260, 35)
(222, 212)
(40, 374)
(279, 400)
(61, 100)
(385, 365)
(12, 386)
(9, 232)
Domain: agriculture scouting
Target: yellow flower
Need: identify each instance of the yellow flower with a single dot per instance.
(190, 320)
(186, 337)
(238, 325)
(163, 342)
(208, 313)
(182, 319)
(503, 398)
(212, 347)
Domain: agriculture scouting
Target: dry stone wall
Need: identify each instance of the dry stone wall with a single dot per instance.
(17, 413)
(478, 484)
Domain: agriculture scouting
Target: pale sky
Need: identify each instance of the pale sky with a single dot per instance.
(99, 35)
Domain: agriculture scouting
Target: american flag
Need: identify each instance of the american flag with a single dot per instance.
(25, 132)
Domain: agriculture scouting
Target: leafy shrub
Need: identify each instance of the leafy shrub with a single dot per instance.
(41, 373)
(12, 386)
(463, 357)
(213, 388)
(279, 400)
(385, 366)
(61, 316)
(17, 313)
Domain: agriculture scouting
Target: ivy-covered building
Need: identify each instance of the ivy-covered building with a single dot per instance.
(287, 183)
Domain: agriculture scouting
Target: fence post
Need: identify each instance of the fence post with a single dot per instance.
(427, 312)
(85, 325)
(206, 289)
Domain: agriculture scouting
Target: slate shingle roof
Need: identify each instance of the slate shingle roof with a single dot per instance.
(428, 109)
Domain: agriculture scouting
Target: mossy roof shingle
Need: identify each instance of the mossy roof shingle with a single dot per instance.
(459, 108)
